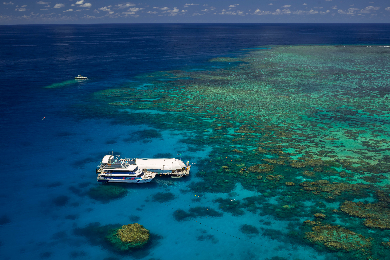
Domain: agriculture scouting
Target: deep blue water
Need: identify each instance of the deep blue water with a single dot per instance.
(48, 152)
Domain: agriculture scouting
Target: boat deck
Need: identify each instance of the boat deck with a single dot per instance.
(112, 165)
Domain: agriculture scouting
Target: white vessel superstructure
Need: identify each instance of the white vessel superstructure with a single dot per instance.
(139, 170)
(79, 77)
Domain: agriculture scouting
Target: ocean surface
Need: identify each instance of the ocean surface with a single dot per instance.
(285, 126)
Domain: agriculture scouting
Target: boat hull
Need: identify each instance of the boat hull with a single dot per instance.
(124, 180)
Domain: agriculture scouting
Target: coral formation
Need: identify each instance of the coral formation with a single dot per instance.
(231, 205)
(129, 236)
(386, 244)
(181, 215)
(137, 240)
(134, 218)
(320, 215)
(269, 123)
(144, 136)
(377, 214)
(60, 200)
(377, 223)
(287, 208)
(331, 190)
(205, 236)
(249, 229)
(261, 168)
(105, 193)
(338, 238)
(163, 197)
(95, 233)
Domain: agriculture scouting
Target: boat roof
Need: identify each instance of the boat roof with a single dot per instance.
(159, 164)
(107, 159)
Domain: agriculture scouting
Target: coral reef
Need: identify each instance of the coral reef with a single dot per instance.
(331, 190)
(383, 197)
(231, 205)
(105, 193)
(260, 168)
(144, 136)
(162, 197)
(377, 223)
(129, 236)
(61, 200)
(212, 238)
(95, 233)
(377, 214)
(181, 215)
(320, 215)
(253, 204)
(273, 234)
(287, 208)
(106, 236)
(338, 238)
(270, 124)
(249, 229)
(386, 244)
(205, 236)
(134, 218)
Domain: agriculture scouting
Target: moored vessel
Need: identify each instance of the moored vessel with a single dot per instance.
(139, 170)
(80, 77)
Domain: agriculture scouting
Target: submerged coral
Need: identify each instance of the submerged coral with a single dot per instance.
(270, 124)
(129, 236)
(61, 200)
(331, 190)
(145, 136)
(231, 205)
(249, 229)
(106, 236)
(105, 193)
(338, 238)
(181, 215)
(261, 168)
(377, 214)
(320, 215)
(163, 197)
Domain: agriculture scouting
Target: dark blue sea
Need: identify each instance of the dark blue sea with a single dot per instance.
(52, 139)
